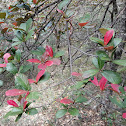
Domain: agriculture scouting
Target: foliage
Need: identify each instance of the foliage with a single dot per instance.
(26, 30)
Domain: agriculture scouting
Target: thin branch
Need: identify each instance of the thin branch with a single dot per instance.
(105, 13)
(121, 12)
(48, 5)
(69, 49)
(83, 51)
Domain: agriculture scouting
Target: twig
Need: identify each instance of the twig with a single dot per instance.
(105, 13)
(69, 49)
(83, 51)
(118, 16)
(48, 5)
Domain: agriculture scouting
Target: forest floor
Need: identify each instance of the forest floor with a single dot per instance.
(50, 92)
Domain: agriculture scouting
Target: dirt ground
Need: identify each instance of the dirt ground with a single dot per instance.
(53, 89)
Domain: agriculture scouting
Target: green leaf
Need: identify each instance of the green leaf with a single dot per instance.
(69, 13)
(120, 62)
(61, 113)
(112, 76)
(25, 68)
(117, 41)
(39, 51)
(33, 96)
(90, 73)
(8, 114)
(104, 30)
(22, 81)
(59, 53)
(19, 35)
(16, 43)
(63, 4)
(42, 49)
(18, 55)
(97, 40)
(18, 117)
(44, 78)
(11, 68)
(29, 35)
(115, 101)
(124, 103)
(23, 26)
(90, 26)
(98, 63)
(15, 39)
(85, 18)
(63, 105)
(1, 83)
(79, 85)
(31, 111)
(102, 55)
(73, 111)
(122, 89)
(15, 111)
(28, 24)
(81, 99)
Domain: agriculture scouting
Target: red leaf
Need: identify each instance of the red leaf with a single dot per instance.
(1, 22)
(40, 73)
(76, 74)
(44, 56)
(115, 87)
(16, 47)
(82, 24)
(49, 51)
(34, 60)
(34, 1)
(27, 94)
(125, 88)
(6, 56)
(14, 23)
(3, 65)
(95, 81)
(66, 101)
(108, 36)
(31, 81)
(109, 48)
(124, 115)
(56, 61)
(4, 30)
(25, 103)
(42, 66)
(49, 63)
(102, 83)
(60, 11)
(13, 103)
(15, 92)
